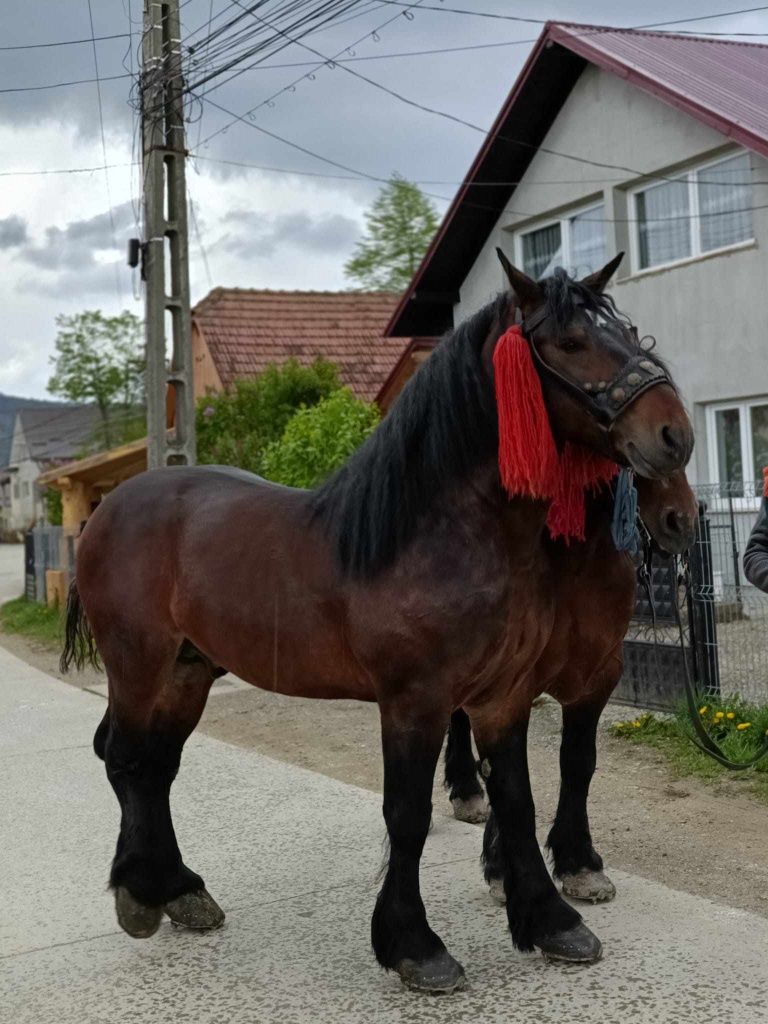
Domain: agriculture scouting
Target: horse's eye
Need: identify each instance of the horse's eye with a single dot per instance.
(571, 345)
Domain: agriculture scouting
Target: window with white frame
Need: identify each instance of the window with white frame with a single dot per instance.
(702, 210)
(576, 242)
(738, 446)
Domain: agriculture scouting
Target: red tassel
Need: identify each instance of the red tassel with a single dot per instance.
(581, 470)
(528, 459)
(529, 462)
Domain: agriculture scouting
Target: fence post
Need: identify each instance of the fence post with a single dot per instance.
(734, 553)
(701, 609)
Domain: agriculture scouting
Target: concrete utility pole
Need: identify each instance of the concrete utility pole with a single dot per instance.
(166, 265)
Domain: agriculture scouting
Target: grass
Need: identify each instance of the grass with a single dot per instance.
(32, 620)
(738, 727)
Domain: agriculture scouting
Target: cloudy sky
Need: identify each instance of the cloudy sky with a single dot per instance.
(291, 220)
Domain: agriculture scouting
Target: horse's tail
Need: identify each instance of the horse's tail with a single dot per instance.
(79, 645)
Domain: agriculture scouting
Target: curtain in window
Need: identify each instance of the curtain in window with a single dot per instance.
(542, 251)
(588, 242)
(729, 459)
(725, 195)
(664, 229)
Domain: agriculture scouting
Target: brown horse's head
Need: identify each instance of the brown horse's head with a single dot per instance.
(602, 390)
(668, 508)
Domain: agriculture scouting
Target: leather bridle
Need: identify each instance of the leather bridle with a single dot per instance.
(605, 400)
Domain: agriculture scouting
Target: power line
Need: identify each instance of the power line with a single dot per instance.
(104, 148)
(66, 170)
(62, 85)
(373, 34)
(65, 42)
(543, 21)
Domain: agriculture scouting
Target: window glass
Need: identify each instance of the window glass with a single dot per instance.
(729, 460)
(588, 242)
(725, 195)
(664, 227)
(542, 251)
(758, 416)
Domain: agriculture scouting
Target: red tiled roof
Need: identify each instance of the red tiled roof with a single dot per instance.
(246, 329)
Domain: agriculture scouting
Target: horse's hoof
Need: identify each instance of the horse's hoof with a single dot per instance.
(496, 889)
(592, 886)
(440, 975)
(198, 910)
(474, 809)
(578, 945)
(138, 920)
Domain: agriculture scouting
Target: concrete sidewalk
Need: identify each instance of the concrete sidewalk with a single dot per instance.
(292, 857)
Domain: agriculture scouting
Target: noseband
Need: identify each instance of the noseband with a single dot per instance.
(605, 400)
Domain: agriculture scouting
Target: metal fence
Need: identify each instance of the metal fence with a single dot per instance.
(724, 618)
(46, 547)
(738, 636)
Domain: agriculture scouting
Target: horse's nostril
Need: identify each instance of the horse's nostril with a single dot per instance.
(672, 521)
(669, 439)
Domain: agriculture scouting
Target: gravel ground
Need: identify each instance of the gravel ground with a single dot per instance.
(707, 839)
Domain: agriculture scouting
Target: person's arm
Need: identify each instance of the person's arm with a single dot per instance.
(756, 552)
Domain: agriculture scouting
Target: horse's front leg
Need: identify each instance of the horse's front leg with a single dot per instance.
(538, 916)
(401, 937)
(466, 794)
(576, 862)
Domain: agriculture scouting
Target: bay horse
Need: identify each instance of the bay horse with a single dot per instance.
(580, 667)
(412, 577)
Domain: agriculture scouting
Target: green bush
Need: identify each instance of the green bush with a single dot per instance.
(234, 428)
(318, 439)
(53, 506)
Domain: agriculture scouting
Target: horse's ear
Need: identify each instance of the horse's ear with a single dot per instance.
(596, 282)
(528, 293)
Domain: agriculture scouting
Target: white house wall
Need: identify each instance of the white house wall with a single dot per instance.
(710, 315)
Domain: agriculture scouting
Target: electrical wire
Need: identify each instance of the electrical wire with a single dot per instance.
(104, 149)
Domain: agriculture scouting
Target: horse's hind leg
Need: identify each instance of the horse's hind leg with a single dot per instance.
(401, 937)
(576, 862)
(148, 726)
(466, 794)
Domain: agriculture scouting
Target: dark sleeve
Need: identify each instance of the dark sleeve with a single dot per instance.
(756, 552)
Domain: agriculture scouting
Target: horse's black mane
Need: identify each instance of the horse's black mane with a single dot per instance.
(441, 426)
(565, 297)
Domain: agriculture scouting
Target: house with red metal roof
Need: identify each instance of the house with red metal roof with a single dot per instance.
(650, 143)
(238, 332)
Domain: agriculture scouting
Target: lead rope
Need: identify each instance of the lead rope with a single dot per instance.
(702, 739)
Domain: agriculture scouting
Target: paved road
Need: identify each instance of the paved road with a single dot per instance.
(292, 856)
(11, 571)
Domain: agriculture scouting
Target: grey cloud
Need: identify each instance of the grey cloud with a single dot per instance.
(76, 244)
(95, 279)
(13, 232)
(259, 236)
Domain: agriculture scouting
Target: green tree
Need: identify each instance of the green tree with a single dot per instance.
(318, 439)
(235, 427)
(100, 359)
(399, 227)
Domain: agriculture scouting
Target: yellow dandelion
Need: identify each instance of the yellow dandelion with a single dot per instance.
(743, 725)
(731, 715)
(704, 710)
(637, 724)
(719, 714)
